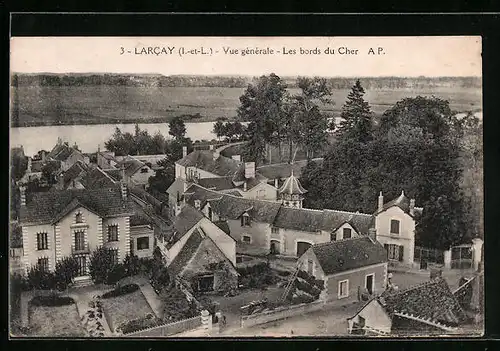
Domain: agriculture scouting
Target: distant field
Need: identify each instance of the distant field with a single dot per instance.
(125, 104)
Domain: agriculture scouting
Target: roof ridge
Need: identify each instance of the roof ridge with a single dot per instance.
(348, 212)
(420, 285)
(342, 241)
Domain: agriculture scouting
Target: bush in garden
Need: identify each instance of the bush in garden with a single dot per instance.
(160, 278)
(132, 264)
(176, 307)
(37, 278)
(52, 300)
(146, 322)
(101, 263)
(116, 273)
(65, 271)
(121, 290)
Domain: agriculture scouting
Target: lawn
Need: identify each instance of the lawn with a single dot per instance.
(124, 308)
(55, 321)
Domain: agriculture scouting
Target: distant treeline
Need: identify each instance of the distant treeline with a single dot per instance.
(232, 82)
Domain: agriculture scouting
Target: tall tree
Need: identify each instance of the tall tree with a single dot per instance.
(260, 104)
(356, 116)
(219, 129)
(177, 128)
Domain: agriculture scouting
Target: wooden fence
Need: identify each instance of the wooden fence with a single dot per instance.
(169, 329)
(280, 313)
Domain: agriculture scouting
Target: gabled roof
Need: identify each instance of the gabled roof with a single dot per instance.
(222, 183)
(61, 152)
(186, 253)
(361, 222)
(45, 207)
(115, 173)
(139, 219)
(97, 178)
(432, 300)
(131, 165)
(303, 219)
(204, 159)
(183, 222)
(77, 169)
(284, 170)
(403, 202)
(232, 207)
(292, 186)
(339, 256)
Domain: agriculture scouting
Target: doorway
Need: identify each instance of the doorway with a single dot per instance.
(302, 247)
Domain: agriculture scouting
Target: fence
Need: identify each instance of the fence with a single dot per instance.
(422, 254)
(280, 313)
(461, 257)
(169, 329)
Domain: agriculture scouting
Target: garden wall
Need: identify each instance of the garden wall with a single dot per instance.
(169, 329)
(280, 313)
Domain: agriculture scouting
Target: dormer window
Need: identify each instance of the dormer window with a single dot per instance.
(78, 218)
(245, 220)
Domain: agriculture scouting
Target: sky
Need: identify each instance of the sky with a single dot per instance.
(400, 56)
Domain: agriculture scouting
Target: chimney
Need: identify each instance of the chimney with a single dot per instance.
(184, 151)
(372, 234)
(197, 204)
(412, 207)
(249, 170)
(380, 202)
(216, 155)
(236, 158)
(22, 191)
(123, 187)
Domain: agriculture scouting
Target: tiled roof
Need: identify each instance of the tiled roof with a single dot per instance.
(203, 159)
(361, 222)
(292, 186)
(234, 193)
(114, 173)
(108, 155)
(403, 202)
(432, 300)
(196, 192)
(61, 152)
(74, 172)
(299, 219)
(223, 226)
(186, 253)
(232, 207)
(131, 165)
(183, 222)
(339, 256)
(139, 219)
(97, 178)
(46, 207)
(58, 148)
(222, 183)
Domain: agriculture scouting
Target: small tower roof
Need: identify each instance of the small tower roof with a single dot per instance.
(292, 186)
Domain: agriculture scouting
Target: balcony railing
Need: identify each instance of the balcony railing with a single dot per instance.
(82, 249)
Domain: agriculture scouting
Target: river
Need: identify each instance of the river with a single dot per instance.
(89, 137)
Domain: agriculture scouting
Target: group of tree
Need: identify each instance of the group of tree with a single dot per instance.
(279, 118)
(416, 147)
(230, 131)
(39, 278)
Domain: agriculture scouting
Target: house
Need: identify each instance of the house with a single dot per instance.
(205, 164)
(71, 178)
(66, 155)
(33, 171)
(199, 253)
(349, 268)
(62, 223)
(425, 309)
(106, 159)
(135, 171)
(395, 223)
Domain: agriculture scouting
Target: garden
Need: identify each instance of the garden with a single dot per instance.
(54, 316)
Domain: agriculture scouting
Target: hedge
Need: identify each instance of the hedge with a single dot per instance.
(258, 268)
(52, 301)
(121, 290)
(146, 322)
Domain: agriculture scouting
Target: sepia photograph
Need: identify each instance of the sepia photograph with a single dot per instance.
(246, 187)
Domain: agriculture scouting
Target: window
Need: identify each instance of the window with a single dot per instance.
(347, 233)
(275, 230)
(210, 213)
(144, 170)
(206, 283)
(333, 236)
(43, 263)
(113, 233)
(275, 247)
(343, 288)
(310, 266)
(394, 226)
(79, 240)
(79, 218)
(246, 239)
(394, 252)
(143, 243)
(369, 282)
(114, 255)
(245, 220)
(42, 241)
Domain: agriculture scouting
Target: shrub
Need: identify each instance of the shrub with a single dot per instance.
(121, 290)
(176, 306)
(132, 264)
(160, 278)
(116, 273)
(65, 271)
(37, 278)
(146, 322)
(52, 300)
(302, 299)
(101, 263)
